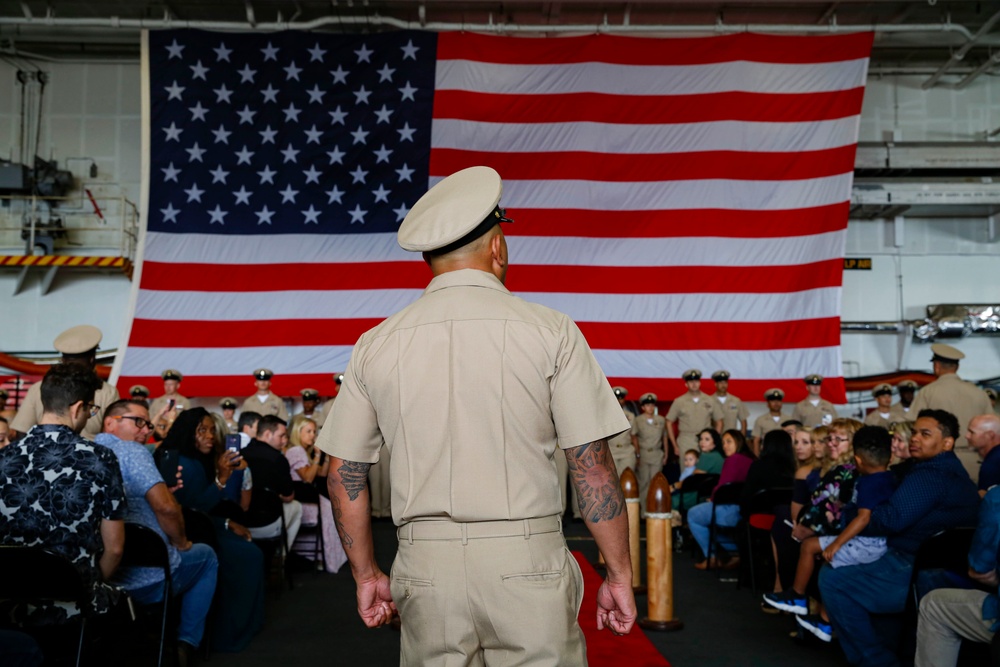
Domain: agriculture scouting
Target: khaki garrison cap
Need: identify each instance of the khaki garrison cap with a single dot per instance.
(171, 374)
(263, 374)
(814, 379)
(720, 375)
(139, 391)
(908, 385)
(309, 395)
(228, 403)
(620, 392)
(774, 395)
(946, 353)
(78, 340)
(456, 211)
(881, 389)
(648, 397)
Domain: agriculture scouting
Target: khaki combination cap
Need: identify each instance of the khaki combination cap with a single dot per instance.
(814, 379)
(947, 353)
(263, 374)
(908, 385)
(171, 374)
(309, 395)
(774, 395)
(78, 339)
(3, 395)
(648, 397)
(228, 403)
(620, 392)
(882, 389)
(991, 392)
(456, 211)
(338, 378)
(138, 391)
(691, 374)
(720, 375)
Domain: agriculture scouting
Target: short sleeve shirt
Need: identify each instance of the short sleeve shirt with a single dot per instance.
(30, 412)
(694, 413)
(472, 389)
(649, 430)
(297, 458)
(733, 411)
(767, 423)
(811, 416)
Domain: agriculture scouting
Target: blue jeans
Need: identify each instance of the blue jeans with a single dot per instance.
(194, 579)
(699, 518)
(852, 594)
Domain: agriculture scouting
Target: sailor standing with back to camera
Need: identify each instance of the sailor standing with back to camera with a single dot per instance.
(472, 389)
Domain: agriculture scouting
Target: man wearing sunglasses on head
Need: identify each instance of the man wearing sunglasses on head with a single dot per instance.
(193, 567)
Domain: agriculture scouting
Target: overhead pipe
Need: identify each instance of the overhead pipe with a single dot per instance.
(958, 55)
(974, 74)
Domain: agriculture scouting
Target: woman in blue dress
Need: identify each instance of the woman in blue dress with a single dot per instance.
(239, 609)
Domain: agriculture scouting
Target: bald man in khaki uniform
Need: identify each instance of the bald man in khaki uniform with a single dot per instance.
(770, 420)
(735, 414)
(693, 411)
(472, 390)
(882, 414)
(962, 399)
(814, 410)
(265, 402)
(78, 345)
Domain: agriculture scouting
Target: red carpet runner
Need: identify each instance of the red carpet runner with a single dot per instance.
(603, 648)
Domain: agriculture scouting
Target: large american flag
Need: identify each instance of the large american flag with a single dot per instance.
(684, 200)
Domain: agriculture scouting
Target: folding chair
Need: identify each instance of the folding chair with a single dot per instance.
(313, 532)
(37, 574)
(727, 494)
(145, 548)
(275, 548)
(757, 516)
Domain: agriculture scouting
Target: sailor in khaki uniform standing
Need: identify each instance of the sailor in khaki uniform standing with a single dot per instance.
(901, 412)
(813, 411)
(264, 402)
(310, 405)
(78, 346)
(473, 389)
(622, 449)
(693, 411)
(771, 420)
(139, 392)
(228, 406)
(882, 414)
(171, 383)
(735, 415)
(962, 399)
(649, 437)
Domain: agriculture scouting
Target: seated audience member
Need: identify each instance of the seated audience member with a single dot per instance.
(949, 615)
(239, 611)
(62, 492)
(271, 472)
(690, 461)
(872, 451)
(821, 514)
(936, 494)
(710, 460)
(901, 433)
(984, 437)
(239, 487)
(192, 566)
(4, 433)
(734, 470)
(247, 427)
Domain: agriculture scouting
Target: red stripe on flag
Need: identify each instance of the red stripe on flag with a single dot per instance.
(752, 47)
(521, 278)
(646, 110)
(605, 167)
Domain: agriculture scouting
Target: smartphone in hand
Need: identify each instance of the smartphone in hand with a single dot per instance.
(167, 465)
(233, 441)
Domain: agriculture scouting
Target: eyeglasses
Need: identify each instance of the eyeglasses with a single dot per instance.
(139, 421)
(839, 438)
(94, 409)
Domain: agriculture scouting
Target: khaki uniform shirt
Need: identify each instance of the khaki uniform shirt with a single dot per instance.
(875, 418)
(811, 415)
(733, 411)
(962, 399)
(274, 405)
(317, 416)
(181, 403)
(649, 430)
(694, 413)
(472, 389)
(767, 423)
(897, 413)
(30, 412)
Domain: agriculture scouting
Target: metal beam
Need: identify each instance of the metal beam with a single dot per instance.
(913, 193)
(958, 55)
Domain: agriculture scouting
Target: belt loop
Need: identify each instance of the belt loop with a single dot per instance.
(527, 529)
(465, 534)
(410, 526)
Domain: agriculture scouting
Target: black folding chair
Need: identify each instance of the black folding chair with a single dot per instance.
(275, 548)
(756, 513)
(145, 548)
(727, 494)
(946, 550)
(313, 532)
(36, 574)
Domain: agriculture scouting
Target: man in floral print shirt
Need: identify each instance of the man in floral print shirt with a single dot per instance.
(60, 491)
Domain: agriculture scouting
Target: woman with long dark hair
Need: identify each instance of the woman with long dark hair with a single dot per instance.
(239, 612)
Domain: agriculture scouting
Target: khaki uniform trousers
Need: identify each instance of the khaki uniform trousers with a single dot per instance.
(487, 593)
(686, 441)
(624, 456)
(650, 463)
(378, 485)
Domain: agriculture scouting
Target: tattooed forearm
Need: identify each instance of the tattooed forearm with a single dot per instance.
(354, 477)
(338, 518)
(592, 471)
